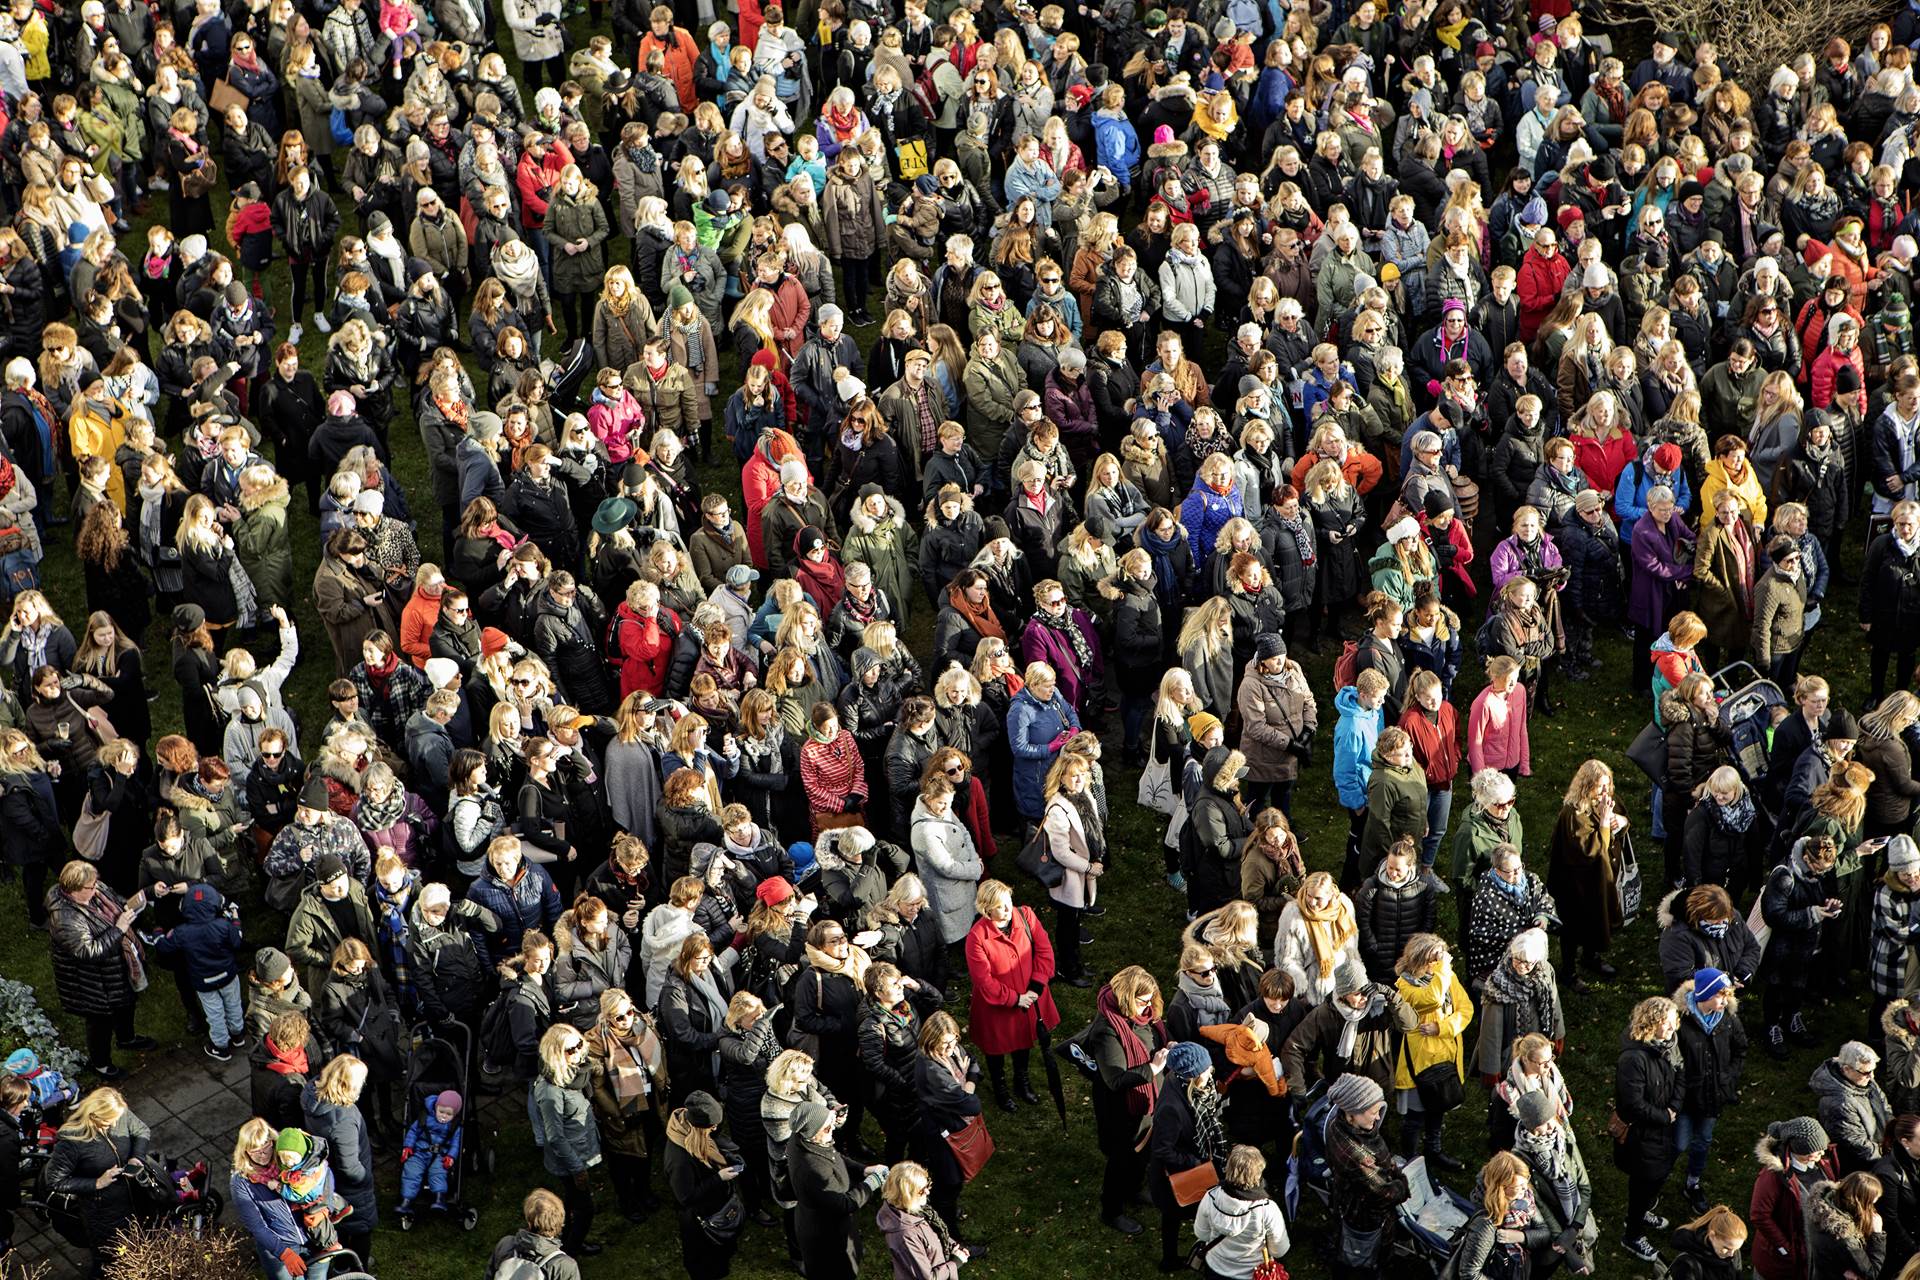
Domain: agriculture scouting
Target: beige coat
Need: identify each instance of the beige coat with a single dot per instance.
(1067, 843)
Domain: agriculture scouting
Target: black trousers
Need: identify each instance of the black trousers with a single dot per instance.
(1642, 1195)
(1899, 650)
(1121, 1180)
(577, 1194)
(105, 1028)
(1066, 940)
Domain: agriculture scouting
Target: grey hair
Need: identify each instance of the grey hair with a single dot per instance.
(1490, 787)
(1659, 493)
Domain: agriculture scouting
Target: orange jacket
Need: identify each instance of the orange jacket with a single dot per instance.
(682, 54)
(417, 621)
(1247, 1051)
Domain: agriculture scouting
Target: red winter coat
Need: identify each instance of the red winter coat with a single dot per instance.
(1820, 387)
(1462, 552)
(1602, 462)
(760, 480)
(789, 317)
(1776, 1214)
(681, 55)
(1538, 284)
(1004, 967)
(534, 179)
(976, 818)
(642, 648)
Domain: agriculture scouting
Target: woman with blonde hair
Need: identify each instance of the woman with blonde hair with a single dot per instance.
(564, 1127)
(1427, 982)
(623, 319)
(100, 1137)
(1317, 937)
(1583, 866)
(1775, 432)
(1648, 1090)
(332, 1106)
(1205, 649)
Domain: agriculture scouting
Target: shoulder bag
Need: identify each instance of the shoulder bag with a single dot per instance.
(972, 1146)
(1191, 1184)
(96, 721)
(1036, 859)
(90, 832)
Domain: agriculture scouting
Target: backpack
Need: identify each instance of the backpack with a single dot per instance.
(1484, 639)
(341, 130)
(1345, 666)
(19, 563)
(925, 95)
(518, 1266)
(498, 1053)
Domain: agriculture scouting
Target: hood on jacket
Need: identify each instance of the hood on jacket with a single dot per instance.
(1894, 1025)
(833, 847)
(1827, 1082)
(1673, 909)
(1685, 989)
(1824, 1215)
(1347, 702)
(1673, 708)
(203, 903)
(864, 523)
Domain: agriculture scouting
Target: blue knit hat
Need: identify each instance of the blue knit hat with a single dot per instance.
(1534, 212)
(1708, 983)
(1188, 1061)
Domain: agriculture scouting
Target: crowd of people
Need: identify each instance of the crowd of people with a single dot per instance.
(1193, 343)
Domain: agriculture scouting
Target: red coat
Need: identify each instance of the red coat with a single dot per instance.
(1820, 388)
(789, 317)
(642, 648)
(1603, 462)
(751, 20)
(760, 480)
(681, 55)
(1462, 552)
(1003, 967)
(534, 179)
(976, 818)
(1538, 285)
(1777, 1218)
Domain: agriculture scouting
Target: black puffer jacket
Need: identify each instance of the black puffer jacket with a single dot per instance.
(450, 978)
(1647, 1084)
(1714, 1060)
(1694, 750)
(1890, 590)
(89, 961)
(566, 639)
(1388, 915)
(1685, 950)
(1139, 635)
(1714, 852)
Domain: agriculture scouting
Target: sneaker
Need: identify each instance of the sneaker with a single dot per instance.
(295, 334)
(1123, 1224)
(1777, 1044)
(1696, 1198)
(1093, 913)
(1175, 882)
(1798, 1033)
(321, 323)
(219, 1053)
(1657, 1223)
(1641, 1248)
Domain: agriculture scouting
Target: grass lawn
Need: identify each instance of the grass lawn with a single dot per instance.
(1037, 1202)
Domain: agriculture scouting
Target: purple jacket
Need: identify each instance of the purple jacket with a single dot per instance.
(1041, 643)
(1506, 561)
(1660, 577)
(1071, 408)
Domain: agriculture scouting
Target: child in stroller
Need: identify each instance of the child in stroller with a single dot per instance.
(430, 1150)
(49, 1094)
(306, 1184)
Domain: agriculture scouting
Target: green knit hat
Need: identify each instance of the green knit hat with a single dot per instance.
(679, 296)
(293, 1142)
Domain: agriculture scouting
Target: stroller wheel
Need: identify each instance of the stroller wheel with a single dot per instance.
(487, 1160)
(470, 1218)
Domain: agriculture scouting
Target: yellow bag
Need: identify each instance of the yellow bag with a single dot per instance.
(911, 156)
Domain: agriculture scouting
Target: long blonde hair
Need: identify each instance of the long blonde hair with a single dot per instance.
(96, 1113)
(1207, 630)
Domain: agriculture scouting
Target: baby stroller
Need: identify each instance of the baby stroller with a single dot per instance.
(440, 1062)
(1747, 704)
(165, 1192)
(1431, 1220)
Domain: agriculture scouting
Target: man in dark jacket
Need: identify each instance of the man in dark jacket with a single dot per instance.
(814, 377)
(1590, 551)
(450, 979)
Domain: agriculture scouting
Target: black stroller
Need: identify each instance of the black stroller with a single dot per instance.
(165, 1192)
(441, 1058)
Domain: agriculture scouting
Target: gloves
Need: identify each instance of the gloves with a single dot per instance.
(293, 1262)
(406, 1154)
(446, 1162)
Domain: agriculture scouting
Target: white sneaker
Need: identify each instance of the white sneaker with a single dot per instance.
(320, 322)
(295, 334)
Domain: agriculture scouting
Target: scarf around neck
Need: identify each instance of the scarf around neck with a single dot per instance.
(1330, 931)
(1209, 1005)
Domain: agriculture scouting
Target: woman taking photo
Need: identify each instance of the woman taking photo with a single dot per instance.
(1846, 1235)
(946, 1081)
(1010, 960)
(99, 968)
(702, 1164)
(1500, 1239)
(564, 1128)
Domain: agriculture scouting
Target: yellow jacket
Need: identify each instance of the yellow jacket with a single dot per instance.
(91, 434)
(1751, 496)
(33, 43)
(1453, 1014)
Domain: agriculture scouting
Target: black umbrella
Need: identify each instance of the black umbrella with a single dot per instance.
(1044, 1036)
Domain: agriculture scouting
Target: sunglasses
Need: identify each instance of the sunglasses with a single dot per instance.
(272, 755)
(522, 682)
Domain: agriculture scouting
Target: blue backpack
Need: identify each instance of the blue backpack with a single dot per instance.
(338, 126)
(19, 563)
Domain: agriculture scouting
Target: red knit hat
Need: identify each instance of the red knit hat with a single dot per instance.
(1814, 251)
(774, 892)
(1666, 458)
(1568, 215)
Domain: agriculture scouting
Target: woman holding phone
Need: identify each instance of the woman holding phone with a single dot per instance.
(99, 968)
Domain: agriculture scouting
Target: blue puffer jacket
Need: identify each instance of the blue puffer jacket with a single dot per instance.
(1032, 725)
(1353, 741)
(1203, 514)
(530, 902)
(209, 941)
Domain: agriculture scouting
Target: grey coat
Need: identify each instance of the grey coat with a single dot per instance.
(949, 866)
(856, 216)
(564, 1126)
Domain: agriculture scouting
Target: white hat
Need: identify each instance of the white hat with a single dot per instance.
(370, 502)
(1595, 276)
(1405, 527)
(441, 672)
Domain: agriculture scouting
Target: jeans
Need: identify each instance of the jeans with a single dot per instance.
(1439, 807)
(1693, 1135)
(226, 1022)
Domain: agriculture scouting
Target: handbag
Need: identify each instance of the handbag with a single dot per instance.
(1649, 750)
(1036, 859)
(1627, 882)
(1617, 1129)
(90, 832)
(1190, 1184)
(1757, 920)
(1155, 791)
(1197, 1256)
(97, 723)
(972, 1146)
(806, 1041)
(911, 154)
(724, 1223)
(221, 94)
(1439, 1086)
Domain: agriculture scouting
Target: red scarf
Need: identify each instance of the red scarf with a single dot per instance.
(286, 1062)
(843, 125)
(1127, 1030)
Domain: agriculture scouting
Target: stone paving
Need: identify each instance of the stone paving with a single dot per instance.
(194, 1107)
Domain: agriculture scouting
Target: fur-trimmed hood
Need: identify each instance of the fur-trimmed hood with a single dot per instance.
(1771, 1153)
(277, 491)
(1674, 709)
(933, 510)
(864, 523)
(1824, 1215)
(829, 849)
(1673, 911)
(1894, 1025)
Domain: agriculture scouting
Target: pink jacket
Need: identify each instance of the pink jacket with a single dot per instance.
(1497, 731)
(614, 421)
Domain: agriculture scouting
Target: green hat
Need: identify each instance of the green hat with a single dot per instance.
(1156, 18)
(679, 296)
(294, 1142)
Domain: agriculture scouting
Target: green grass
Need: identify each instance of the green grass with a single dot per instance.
(1037, 1202)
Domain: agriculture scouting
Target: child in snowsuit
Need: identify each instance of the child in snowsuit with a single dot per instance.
(306, 1184)
(431, 1148)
